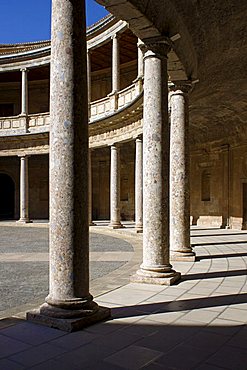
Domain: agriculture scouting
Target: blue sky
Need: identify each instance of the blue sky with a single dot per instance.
(29, 20)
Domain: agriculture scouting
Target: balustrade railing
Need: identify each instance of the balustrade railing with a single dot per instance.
(40, 122)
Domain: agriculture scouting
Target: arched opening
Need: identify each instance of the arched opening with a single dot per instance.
(7, 197)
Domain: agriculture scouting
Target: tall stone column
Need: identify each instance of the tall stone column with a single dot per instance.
(90, 222)
(89, 85)
(115, 64)
(24, 92)
(139, 186)
(179, 174)
(24, 190)
(69, 305)
(140, 46)
(115, 188)
(140, 68)
(156, 268)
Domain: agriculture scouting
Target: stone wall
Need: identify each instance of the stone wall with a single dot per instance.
(218, 190)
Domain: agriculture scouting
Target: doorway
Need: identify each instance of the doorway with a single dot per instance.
(7, 197)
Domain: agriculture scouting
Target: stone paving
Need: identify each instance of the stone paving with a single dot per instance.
(24, 264)
(200, 323)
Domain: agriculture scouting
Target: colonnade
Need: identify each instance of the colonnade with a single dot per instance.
(69, 305)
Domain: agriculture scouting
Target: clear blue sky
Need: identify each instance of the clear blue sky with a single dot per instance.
(29, 20)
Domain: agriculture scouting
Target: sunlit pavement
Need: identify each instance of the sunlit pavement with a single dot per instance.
(200, 323)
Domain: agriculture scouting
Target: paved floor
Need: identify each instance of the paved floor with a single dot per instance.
(24, 264)
(199, 323)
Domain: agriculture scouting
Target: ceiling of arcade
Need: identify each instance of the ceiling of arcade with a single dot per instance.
(212, 48)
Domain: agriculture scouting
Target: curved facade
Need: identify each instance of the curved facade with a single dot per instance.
(218, 144)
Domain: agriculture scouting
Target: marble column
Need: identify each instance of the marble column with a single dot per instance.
(69, 305)
(179, 173)
(141, 47)
(89, 85)
(156, 267)
(24, 190)
(115, 64)
(140, 68)
(24, 92)
(90, 222)
(139, 186)
(115, 188)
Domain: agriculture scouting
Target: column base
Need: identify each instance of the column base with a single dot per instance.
(115, 225)
(24, 221)
(183, 256)
(83, 319)
(139, 230)
(157, 278)
(92, 224)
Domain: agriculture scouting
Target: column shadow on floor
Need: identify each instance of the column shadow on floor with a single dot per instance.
(212, 275)
(217, 243)
(225, 255)
(179, 305)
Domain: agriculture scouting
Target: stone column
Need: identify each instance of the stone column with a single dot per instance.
(24, 92)
(115, 64)
(156, 268)
(89, 86)
(139, 80)
(69, 305)
(90, 222)
(139, 186)
(140, 46)
(24, 190)
(115, 188)
(179, 174)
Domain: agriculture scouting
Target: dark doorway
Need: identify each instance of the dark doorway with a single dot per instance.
(6, 110)
(7, 197)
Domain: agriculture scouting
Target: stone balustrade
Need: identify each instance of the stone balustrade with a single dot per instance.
(40, 122)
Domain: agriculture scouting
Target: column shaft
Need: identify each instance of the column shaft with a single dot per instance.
(69, 305)
(179, 176)
(24, 92)
(24, 190)
(91, 223)
(156, 268)
(140, 46)
(115, 64)
(139, 186)
(89, 76)
(115, 188)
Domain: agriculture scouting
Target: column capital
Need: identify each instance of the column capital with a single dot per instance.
(24, 69)
(24, 156)
(141, 45)
(115, 36)
(157, 46)
(178, 87)
(139, 138)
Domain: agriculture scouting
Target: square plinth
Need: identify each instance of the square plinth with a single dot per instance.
(145, 279)
(69, 325)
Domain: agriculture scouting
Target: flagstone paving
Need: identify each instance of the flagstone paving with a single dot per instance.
(200, 323)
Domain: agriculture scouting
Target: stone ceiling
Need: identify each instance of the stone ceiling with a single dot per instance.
(212, 48)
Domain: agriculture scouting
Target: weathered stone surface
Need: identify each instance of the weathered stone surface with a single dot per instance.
(179, 174)
(155, 267)
(139, 186)
(69, 295)
(115, 189)
(69, 324)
